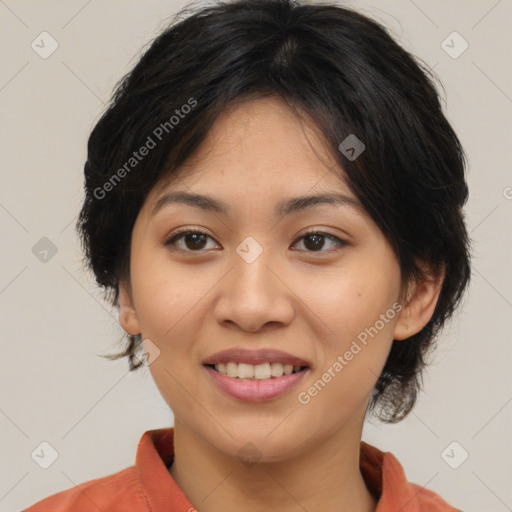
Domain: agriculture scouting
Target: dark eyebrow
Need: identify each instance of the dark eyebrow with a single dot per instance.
(196, 200)
(295, 204)
(286, 207)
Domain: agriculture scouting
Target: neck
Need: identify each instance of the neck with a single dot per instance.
(325, 478)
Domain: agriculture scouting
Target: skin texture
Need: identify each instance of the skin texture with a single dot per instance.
(310, 303)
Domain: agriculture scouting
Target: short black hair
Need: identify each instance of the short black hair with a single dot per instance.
(346, 75)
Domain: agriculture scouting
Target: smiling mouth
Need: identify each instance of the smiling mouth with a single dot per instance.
(263, 371)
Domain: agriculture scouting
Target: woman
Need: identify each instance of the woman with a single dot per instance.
(274, 203)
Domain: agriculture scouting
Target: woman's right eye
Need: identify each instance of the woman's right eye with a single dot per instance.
(188, 240)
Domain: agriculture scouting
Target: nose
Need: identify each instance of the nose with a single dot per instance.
(255, 297)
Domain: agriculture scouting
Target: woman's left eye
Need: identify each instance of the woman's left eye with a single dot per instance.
(195, 241)
(316, 240)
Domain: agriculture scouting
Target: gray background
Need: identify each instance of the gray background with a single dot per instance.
(55, 388)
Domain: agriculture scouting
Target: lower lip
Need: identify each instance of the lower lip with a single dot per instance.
(256, 390)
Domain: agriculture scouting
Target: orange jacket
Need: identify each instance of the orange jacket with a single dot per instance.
(148, 486)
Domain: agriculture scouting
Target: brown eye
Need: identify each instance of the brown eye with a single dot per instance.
(191, 241)
(315, 241)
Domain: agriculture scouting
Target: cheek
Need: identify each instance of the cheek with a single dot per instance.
(359, 306)
(166, 294)
(355, 297)
(363, 319)
(170, 307)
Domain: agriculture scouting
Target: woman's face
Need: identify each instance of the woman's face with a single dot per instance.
(254, 281)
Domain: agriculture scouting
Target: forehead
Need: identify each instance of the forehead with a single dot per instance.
(259, 146)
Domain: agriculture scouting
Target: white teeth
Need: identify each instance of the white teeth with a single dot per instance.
(231, 369)
(276, 370)
(262, 371)
(256, 372)
(245, 371)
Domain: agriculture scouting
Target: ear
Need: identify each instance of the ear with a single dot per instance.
(127, 314)
(419, 306)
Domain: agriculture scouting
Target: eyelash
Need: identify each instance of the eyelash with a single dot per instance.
(181, 234)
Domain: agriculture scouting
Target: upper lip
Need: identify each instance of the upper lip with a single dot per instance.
(263, 355)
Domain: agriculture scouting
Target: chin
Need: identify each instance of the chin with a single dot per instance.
(257, 448)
